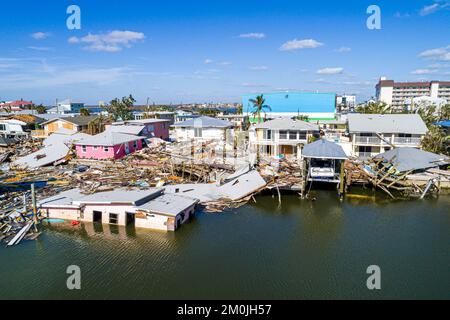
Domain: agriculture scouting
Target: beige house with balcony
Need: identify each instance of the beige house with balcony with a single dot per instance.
(371, 134)
(281, 137)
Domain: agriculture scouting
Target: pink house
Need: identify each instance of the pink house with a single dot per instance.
(108, 145)
(149, 128)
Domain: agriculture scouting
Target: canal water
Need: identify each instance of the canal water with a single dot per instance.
(301, 250)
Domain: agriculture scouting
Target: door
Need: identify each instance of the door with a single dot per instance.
(130, 218)
(97, 216)
(127, 148)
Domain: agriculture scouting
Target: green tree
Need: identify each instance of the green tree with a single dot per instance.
(302, 118)
(40, 109)
(97, 125)
(429, 115)
(208, 112)
(436, 141)
(374, 108)
(85, 112)
(259, 106)
(121, 109)
(239, 109)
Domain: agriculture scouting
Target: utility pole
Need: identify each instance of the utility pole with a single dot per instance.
(33, 200)
(57, 106)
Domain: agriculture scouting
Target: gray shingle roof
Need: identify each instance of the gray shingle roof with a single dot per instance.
(287, 124)
(405, 159)
(323, 149)
(386, 123)
(77, 120)
(204, 122)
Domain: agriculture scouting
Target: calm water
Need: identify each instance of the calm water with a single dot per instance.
(305, 249)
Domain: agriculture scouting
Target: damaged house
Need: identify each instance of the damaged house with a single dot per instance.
(149, 209)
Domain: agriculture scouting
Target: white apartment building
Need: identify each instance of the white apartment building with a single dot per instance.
(372, 134)
(399, 94)
(346, 102)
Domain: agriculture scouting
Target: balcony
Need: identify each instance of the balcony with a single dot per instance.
(407, 140)
(369, 140)
(38, 134)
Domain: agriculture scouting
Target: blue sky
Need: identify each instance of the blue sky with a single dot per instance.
(204, 51)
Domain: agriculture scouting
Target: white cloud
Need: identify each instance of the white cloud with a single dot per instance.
(300, 44)
(208, 61)
(259, 68)
(40, 35)
(224, 63)
(436, 6)
(254, 85)
(113, 41)
(40, 48)
(252, 35)
(429, 9)
(424, 71)
(344, 49)
(337, 70)
(442, 54)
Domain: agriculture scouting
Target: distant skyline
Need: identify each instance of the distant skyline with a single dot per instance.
(216, 51)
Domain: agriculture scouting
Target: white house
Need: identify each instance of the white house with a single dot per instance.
(204, 129)
(372, 134)
(281, 137)
(143, 208)
(65, 107)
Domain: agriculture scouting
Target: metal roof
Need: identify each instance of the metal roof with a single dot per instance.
(204, 122)
(386, 123)
(133, 196)
(323, 149)
(75, 198)
(287, 124)
(108, 138)
(168, 204)
(45, 156)
(128, 129)
(405, 159)
(444, 123)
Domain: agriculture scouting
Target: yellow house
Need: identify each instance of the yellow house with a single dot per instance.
(76, 124)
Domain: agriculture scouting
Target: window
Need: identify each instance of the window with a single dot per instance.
(113, 218)
(267, 134)
(198, 132)
(135, 145)
(83, 149)
(2, 127)
(283, 134)
(95, 147)
(106, 149)
(292, 135)
(302, 135)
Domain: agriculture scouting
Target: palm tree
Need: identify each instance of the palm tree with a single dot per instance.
(85, 112)
(435, 141)
(374, 108)
(259, 106)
